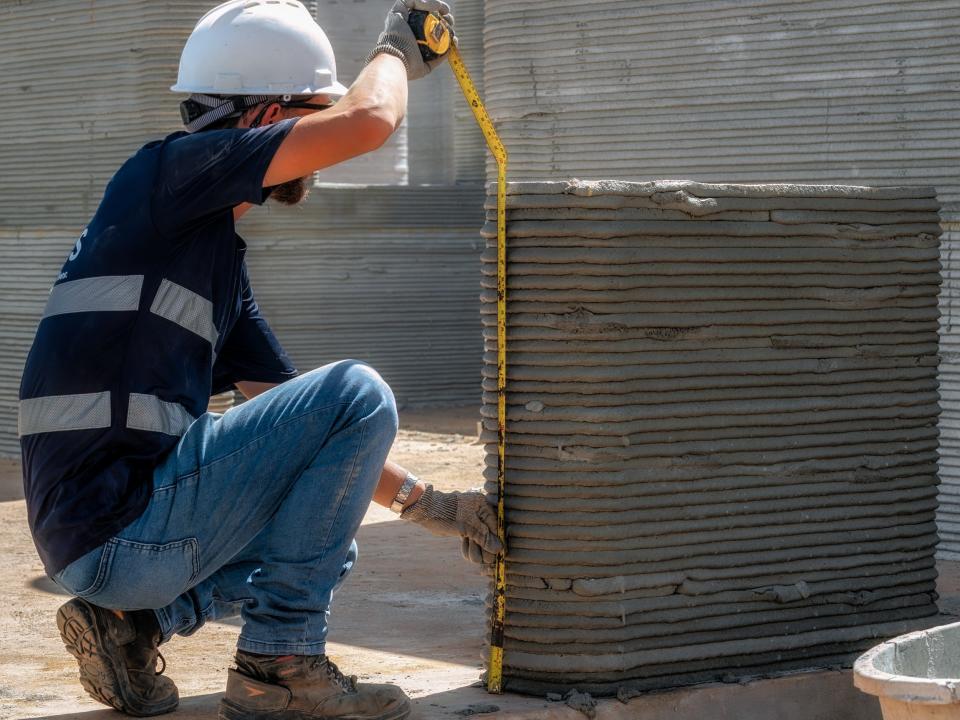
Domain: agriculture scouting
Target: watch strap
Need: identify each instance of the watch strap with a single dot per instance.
(403, 494)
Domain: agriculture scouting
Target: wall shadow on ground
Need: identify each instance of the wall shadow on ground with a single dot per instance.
(457, 703)
(198, 707)
(46, 585)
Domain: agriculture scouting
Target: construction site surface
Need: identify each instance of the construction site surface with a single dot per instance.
(412, 614)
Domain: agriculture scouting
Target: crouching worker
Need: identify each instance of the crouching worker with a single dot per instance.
(157, 516)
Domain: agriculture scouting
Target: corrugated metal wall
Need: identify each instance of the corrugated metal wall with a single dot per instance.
(847, 91)
(88, 84)
(353, 27)
(439, 142)
(382, 284)
(468, 143)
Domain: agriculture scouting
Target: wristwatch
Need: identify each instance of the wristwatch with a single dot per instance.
(403, 493)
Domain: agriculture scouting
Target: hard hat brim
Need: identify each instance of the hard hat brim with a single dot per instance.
(334, 89)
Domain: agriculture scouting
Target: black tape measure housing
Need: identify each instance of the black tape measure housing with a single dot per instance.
(432, 34)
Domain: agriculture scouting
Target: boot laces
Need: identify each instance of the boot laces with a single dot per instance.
(347, 684)
(148, 666)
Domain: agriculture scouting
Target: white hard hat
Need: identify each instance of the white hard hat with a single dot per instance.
(258, 47)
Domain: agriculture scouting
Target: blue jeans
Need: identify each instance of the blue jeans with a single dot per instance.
(255, 512)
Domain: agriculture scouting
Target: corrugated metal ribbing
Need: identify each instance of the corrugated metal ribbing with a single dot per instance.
(31, 259)
(353, 27)
(470, 147)
(87, 84)
(948, 516)
(391, 281)
(721, 427)
(430, 150)
(758, 91)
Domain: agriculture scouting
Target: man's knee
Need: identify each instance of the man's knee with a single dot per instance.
(369, 394)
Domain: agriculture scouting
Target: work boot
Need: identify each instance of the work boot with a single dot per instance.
(304, 687)
(117, 654)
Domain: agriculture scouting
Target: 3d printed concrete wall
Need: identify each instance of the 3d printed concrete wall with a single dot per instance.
(721, 427)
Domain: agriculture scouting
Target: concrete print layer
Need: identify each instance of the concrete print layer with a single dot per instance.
(722, 440)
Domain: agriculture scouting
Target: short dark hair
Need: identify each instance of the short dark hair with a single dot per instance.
(227, 123)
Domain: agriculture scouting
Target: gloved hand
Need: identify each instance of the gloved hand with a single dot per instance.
(466, 514)
(398, 39)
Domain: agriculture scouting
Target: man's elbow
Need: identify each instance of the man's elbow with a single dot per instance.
(375, 125)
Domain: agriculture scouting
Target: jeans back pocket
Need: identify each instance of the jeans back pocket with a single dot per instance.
(84, 576)
(136, 575)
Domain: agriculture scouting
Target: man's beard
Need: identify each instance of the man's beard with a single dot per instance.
(291, 192)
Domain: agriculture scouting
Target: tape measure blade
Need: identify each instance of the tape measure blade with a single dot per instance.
(495, 666)
(469, 91)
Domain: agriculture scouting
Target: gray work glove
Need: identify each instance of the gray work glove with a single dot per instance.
(466, 514)
(398, 39)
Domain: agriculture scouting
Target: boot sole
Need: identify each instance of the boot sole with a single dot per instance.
(229, 711)
(102, 674)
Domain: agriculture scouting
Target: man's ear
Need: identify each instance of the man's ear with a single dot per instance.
(271, 114)
(274, 114)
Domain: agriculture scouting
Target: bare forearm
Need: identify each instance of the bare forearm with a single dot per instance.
(382, 84)
(359, 123)
(390, 481)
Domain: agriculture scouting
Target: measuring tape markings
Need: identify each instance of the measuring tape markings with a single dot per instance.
(435, 39)
(495, 669)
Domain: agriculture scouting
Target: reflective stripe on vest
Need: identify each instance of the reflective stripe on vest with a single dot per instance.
(187, 309)
(107, 293)
(55, 413)
(148, 412)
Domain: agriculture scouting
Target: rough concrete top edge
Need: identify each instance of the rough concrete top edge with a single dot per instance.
(870, 678)
(709, 190)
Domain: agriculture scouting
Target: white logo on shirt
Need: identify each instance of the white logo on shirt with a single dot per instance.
(78, 247)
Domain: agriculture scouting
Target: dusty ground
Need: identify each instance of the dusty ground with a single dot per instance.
(412, 613)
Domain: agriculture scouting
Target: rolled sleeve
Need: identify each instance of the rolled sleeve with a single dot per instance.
(207, 172)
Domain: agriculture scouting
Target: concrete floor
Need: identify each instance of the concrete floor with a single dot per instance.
(412, 613)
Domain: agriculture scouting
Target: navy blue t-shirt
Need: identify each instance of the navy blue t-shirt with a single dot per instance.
(150, 314)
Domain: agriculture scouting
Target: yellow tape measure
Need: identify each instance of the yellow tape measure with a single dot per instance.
(495, 669)
(434, 39)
